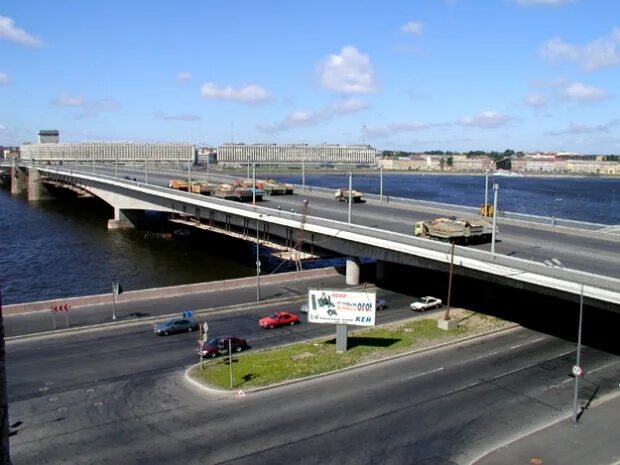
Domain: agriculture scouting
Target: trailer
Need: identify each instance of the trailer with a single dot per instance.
(456, 230)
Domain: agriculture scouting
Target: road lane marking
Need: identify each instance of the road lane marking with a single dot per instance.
(425, 373)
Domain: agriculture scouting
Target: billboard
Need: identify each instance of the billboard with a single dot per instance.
(341, 307)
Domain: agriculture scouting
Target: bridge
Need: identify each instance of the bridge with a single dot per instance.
(553, 256)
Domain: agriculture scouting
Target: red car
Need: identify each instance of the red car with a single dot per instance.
(278, 319)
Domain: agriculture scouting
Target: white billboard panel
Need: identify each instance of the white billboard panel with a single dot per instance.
(337, 306)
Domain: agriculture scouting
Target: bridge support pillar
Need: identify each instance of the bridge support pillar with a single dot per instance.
(36, 189)
(380, 271)
(120, 221)
(19, 181)
(353, 271)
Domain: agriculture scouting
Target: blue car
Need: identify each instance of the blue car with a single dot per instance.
(175, 325)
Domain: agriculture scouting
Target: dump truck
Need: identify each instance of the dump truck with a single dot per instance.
(457, 230)
(273, 187)
(202, 188)
(178, 184)
(343, 195)
(234, 192)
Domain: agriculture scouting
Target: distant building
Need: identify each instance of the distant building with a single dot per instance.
(240, 154)
(206, 155)
(48, 136)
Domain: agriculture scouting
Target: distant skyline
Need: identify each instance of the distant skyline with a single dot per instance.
(455, 75)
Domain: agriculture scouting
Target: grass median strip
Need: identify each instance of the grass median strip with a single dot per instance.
(266, 367)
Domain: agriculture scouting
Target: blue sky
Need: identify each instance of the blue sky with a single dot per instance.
(401, 75)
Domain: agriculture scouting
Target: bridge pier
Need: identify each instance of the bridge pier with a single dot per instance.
(353, 271)
(19, 180)
(120, 221)
(36, 189)
(380, 270)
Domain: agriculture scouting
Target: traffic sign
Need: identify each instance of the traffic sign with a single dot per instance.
(577, 371)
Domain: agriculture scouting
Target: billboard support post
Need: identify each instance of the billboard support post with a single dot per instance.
(341, 338)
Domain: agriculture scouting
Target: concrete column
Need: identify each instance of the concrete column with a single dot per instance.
(36, 189)
(18, 181)
(380, 271)
(353, 271)
(120, 221)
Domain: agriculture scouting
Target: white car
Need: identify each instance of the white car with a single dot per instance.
(425, 303)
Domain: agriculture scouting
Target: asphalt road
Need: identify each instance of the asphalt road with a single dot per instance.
(576, 249)
(118, 396)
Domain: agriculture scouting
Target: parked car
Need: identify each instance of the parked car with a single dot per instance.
(380, 304)
(278, 319)
(425, 303)
(220, 345)
(175, 325)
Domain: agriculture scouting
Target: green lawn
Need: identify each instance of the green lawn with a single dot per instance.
(262, 368)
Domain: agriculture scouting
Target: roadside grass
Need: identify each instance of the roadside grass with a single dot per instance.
(270, 366)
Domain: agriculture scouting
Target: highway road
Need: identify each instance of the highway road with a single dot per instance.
(582, 250)
(118, 396)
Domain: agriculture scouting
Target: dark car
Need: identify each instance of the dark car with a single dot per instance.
(220, 345)
(175, 325)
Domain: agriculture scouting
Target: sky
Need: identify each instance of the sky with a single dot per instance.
(459, 75)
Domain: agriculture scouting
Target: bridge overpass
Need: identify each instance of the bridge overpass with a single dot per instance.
(526, 255)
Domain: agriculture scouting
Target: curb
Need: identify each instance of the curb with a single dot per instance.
(353, 367)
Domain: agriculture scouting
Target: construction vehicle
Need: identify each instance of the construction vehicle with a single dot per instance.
(343, 195)
(455, 230)
(202, 188)
(178, 184)
(273, 187)
(486, 209)
(234, 192)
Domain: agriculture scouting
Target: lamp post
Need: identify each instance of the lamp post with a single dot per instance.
(350, 194)
(257, 261)
(254, 184)
(189, 175)
(495, 193)
(447, 313)
(303, 175)
(116, 167)
(381, 182)
(486, 190)
(146, 169)
(577, 371)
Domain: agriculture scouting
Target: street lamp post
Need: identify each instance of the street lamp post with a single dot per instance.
(381, 182)
(189, 175)
(577, 372)
(254, 184)
(303, 175)
(116, 167)
(495, 192)
(257, 262)
(350, 193)
(447, 313)
(146, 170)
(486, 190)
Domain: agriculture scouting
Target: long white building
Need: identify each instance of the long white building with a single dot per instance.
(296, 153)
(108, 151)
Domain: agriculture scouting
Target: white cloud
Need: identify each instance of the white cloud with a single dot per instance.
(582, 93)
(599, 53)
(306, 118)
(4, 79)
(348, 72)
(184, 76)
(2, 127)
(486, 119)
(251, 93)
(582, 128)
(66, 100)
(412, 27)
(189, 117)
(535, 100)
(543, 2)
(9, 31)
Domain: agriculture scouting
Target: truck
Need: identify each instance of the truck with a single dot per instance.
(342, 195)
(456, 230)
(178, 184)
(273, 187)
(234, 192)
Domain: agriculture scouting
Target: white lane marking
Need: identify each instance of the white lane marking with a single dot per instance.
(528, 342)
(483, 356)
(425, 373)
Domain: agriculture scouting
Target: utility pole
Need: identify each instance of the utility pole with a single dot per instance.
(577, 371)
(116, 167)
(495, 192)
(381, 182)
(257, 262)
(189, 175)
(350, 193)
(303, 175)
(146, 170)
(254, 184)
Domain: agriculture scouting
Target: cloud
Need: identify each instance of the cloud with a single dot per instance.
(10, 32)
(307, 118)
(486, 120)
(349, 72)
(412, 27)
(189, 117)
(2, 127)
(543, 2)
(600, 53)
(4, 79)
(184, 76)
(251, 93)
(66, 100)
(581, 93)
(90, 107)
(581, 128)
(535, 100)
(403, 127)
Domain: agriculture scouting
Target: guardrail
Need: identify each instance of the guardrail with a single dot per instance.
(510, 267)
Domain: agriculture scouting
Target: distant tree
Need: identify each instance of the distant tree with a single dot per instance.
(442, 163)
(450, 161)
